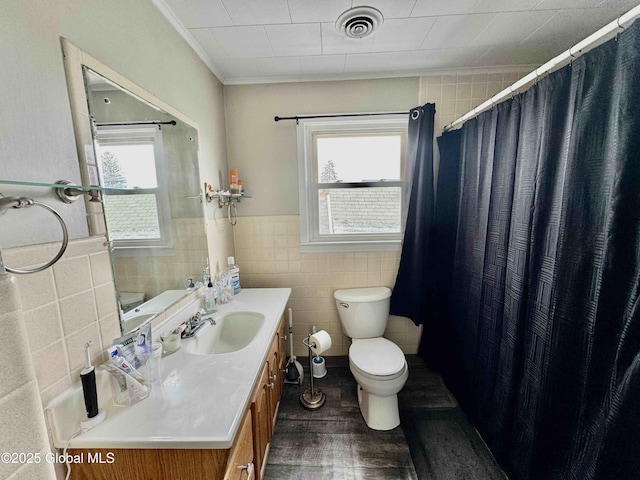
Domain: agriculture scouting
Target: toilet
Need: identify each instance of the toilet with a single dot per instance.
(377, 364)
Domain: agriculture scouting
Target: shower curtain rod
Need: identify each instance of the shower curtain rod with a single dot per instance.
(122, 124)
(304, 117)
(566, 57)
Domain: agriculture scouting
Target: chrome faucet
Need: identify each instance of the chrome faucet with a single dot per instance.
(194, 324)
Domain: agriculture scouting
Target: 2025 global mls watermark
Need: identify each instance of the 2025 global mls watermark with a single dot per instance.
(37, 457)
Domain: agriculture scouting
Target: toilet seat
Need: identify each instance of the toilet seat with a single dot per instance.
(379, 378)
(377, 358)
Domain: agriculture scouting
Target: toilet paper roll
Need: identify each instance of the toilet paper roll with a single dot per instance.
(322, 341)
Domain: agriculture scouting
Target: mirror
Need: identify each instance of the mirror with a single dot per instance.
(153, 211)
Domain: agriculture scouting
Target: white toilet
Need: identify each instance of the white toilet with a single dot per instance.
(377, 364)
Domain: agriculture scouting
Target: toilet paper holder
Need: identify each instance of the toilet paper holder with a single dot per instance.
(311, 398)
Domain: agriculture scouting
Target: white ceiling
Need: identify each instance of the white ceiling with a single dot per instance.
(258, 41)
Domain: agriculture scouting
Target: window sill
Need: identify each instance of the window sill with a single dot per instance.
(336, 247)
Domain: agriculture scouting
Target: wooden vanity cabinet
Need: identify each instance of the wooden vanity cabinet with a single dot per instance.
(241, 465)
(261, 421)
(266, 400)
(246, 459)
(276, 361)
(235, 463)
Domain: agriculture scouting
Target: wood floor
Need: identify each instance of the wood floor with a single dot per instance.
(434, 442)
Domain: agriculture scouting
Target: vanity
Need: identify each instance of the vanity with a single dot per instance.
(210, 416)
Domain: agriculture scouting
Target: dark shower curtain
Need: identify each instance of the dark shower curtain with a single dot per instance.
(541, 317)
(407, 299)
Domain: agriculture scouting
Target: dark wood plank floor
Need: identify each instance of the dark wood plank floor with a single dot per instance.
(334, 443)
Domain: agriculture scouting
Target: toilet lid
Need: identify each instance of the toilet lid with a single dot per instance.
(377, 356)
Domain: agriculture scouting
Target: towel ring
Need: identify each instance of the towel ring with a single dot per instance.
(24, 202)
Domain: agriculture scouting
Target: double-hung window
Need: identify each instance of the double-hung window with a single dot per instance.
(351, 174)
(137, 212)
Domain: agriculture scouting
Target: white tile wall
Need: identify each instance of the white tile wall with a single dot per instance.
(154, 275)
(455, 95)
(21, 418)
(74, 301)
(64, 307)
(268, 254)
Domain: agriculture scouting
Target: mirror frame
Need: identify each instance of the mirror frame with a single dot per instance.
(74, 60)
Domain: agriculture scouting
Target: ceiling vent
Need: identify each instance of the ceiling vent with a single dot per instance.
(359, 22)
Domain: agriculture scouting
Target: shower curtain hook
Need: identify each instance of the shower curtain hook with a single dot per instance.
(535, 80)
(620, 28)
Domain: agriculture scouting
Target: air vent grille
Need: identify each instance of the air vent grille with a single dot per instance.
(359, 22)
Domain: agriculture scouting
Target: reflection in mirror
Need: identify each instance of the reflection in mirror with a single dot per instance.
(154, 214)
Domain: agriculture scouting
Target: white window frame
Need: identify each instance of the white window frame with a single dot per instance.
(308, 184)
(163, 246)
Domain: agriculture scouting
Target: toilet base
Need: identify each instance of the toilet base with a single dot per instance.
(379, 413)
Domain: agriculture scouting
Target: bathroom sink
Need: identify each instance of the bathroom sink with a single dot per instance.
(231, 333)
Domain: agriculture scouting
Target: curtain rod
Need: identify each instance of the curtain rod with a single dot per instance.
(304, 117)
(554, 64)
(116, 124)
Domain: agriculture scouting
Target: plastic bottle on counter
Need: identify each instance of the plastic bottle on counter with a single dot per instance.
(234, 272)
(210, 298)
(233, 181)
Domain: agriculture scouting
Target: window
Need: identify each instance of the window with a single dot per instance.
(351, 183)
(131, 158)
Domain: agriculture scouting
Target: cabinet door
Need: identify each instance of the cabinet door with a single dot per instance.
(261, 421)
(240, 465)
(274, 381)
(282, 352)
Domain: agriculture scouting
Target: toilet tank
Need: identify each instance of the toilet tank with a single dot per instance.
(363, 311)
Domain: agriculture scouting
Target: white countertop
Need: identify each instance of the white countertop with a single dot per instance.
(200, 399)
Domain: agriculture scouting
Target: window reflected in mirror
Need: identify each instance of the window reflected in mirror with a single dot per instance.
(148, 159)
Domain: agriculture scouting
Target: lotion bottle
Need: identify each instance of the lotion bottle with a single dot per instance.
(234, 273)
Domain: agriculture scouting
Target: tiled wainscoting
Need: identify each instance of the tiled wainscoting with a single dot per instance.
(69, 304)
(21, 417)
(455, 95)
(47, 317)
(64, 307)
(268, 253)
(153, 275)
